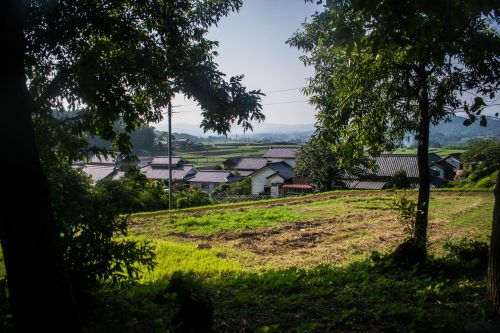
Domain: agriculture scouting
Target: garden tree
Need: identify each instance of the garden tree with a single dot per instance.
(321, 165)
(383, 68)
(104, 61)
(399, 180)
(482, 157)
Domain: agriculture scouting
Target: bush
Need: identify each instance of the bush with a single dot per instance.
(192, 198)
(468, 250)
(88, 224)
(133, 193)
(399, 180)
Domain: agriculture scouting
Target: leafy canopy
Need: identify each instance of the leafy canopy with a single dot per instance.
(376, 61)
(89, 64)
(321, 165)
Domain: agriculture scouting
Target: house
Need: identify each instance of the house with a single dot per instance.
(208, 180)
(442, 170)
(387, 166)
(98, 172)
(433, 158)
(282, 154)
(269, 179)
(248, 165)
(158, 169)
(454, 160)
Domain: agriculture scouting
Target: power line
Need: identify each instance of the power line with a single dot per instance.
(275, 103)
(267, 93)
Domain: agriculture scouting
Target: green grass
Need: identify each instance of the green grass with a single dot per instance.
(443, 152)
(219, 152)
(305, 265)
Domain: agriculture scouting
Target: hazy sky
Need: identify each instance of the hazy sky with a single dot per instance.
(252, 42)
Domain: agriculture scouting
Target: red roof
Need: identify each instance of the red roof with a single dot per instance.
(302, 186)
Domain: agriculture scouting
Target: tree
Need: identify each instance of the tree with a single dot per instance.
(482, 156)
(493, 276)
(383, 68)
(104, 61)
(399, 180)
(321, 164)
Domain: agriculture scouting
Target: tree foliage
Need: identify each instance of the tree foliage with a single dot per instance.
(372, 59)
(483, 157)
(243, 187)
(384, 68)
(90, 230)
(125, 60)
(399, 180)
(322, 167)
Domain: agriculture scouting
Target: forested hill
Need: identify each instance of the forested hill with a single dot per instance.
(455, 133)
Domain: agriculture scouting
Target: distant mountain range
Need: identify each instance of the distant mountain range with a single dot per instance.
(444, 134)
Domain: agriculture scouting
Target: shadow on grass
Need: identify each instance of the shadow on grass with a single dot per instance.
(366, 296)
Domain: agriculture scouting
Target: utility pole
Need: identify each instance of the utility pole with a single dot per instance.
(170, 155)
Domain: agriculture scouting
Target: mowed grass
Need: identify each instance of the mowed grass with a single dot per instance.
(335, 228)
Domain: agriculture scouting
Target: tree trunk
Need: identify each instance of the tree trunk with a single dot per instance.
(39, 288)
(493, 278)
(423, 166)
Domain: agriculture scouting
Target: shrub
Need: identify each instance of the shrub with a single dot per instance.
(468, 250)
(399, 180)
(191, 198)
(87, 225)
(133, 193)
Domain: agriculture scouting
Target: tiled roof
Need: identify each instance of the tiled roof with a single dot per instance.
(244, 173)
(211, 177)
(281, 152)
(179, 173)
(163, 160)
(251, 163)
(433, 157)
(98, 172)
(301, 186)
(364, 185)
(388, 165)
(282, 169)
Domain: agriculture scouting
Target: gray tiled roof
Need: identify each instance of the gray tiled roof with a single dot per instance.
(282, 152)
(366, 185)
(388, 165)
(98, 172)
(179, 173)
(251, 163)
(163, 160)
(282, 169)
(211, 177)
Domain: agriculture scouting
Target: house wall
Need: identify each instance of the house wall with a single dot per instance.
(439, 170)
(289, 161)
(275, 182)
(454, 163)
(259, 180)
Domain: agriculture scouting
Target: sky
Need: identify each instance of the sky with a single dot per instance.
(252, 43)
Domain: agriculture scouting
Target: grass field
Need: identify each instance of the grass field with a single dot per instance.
(336, 228)
(218, 152)
(443, 152)
(303, 265)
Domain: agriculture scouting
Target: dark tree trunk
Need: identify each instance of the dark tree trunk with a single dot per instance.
(493, 278)
(423, 165)
(40, 291)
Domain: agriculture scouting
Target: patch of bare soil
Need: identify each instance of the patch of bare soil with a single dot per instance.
(333, 240)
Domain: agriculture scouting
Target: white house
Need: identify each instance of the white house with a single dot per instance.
(268, 180)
